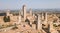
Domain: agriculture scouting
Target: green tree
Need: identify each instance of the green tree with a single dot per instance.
(6, 18)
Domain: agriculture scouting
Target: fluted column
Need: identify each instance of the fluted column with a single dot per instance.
(39, 24)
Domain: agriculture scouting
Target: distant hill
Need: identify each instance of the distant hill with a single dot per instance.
(35, 10)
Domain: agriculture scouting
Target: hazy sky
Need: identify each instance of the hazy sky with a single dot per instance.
(37, 4)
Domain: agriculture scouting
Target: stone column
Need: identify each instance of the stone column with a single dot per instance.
(46, 16)
(21, 12)
(24, 12)
(39, 24)
(19, 18)
(7, 13)
(51, 26)
(42, 16)
(30, 11)
(45, 22)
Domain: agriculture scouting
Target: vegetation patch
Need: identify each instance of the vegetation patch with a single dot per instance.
(38, 32)
(6, 18)
(55, 25)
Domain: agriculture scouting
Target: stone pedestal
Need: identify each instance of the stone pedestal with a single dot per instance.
(34, 26)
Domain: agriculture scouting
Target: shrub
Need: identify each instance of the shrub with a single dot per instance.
(38, 32)
(6, 19)
(54, 25)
